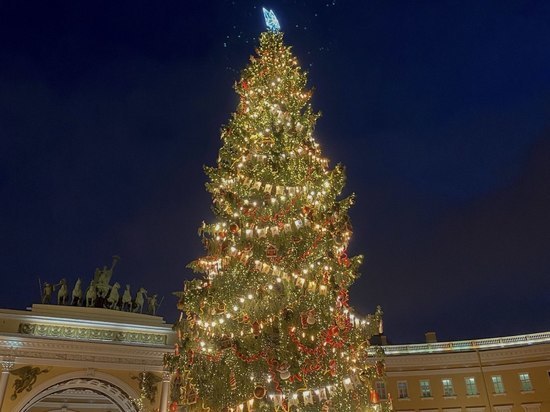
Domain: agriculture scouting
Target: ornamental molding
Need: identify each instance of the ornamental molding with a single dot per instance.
(88, 334)
(469, 345)
(57, 352)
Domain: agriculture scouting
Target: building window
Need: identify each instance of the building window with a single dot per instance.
(525, 380)
(498, 386)
(448, 389)
(471, 387)
(402, 390)
(425, 390)
(381, 389)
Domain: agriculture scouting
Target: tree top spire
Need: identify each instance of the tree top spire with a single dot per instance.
(271, 20)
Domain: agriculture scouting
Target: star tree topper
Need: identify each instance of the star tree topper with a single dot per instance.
(271, 20)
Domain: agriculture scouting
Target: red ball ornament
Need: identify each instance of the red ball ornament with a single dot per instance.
(174, 406)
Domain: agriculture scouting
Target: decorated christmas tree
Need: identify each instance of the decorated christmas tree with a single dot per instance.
(268, 326)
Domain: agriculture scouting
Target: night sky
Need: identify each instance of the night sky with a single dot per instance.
(440, 111)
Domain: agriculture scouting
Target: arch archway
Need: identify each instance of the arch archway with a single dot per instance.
(80, 391)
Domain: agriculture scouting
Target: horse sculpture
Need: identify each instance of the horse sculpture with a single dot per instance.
(63, 292)
(127, 299)
(77, 294)
(140, 300)
(91, 294)
(112, 299)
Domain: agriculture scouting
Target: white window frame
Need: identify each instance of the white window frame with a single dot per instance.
(526, 384)
(400, 393)
(499, 385)
(380, 387)
(470, 382)
(445, 387)
(428, 387)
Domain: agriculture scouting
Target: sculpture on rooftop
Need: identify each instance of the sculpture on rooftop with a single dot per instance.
(152, 305)
(112, 299)
(76, 296)
(91, 294)
(100, 293)
(46, 293)
(63, 292)
(127, 299)
(140, 300)
(102, 278)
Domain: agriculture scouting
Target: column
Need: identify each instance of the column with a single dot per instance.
(7, 363)
(165, 391)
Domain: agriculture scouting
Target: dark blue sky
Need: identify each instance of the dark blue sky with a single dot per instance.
(439, 110)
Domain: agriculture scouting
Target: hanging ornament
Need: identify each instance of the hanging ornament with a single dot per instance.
(220, 308)
(311, 318)
(225, 342)
(244, 83)
(308, 398)
(341, 321)
(259, 391)
(192, 395)
(343, 259)
(307, 211)
(271, 251)
(332, 367)
(293, 401)
(303, 319)
(283, 371)
(232, 381)
(174, 406)
(234, 228)
(374, 398)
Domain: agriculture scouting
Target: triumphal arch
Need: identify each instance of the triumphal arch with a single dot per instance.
(63, 358)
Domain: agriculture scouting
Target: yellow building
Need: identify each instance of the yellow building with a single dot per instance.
(509, 374)
(74, 359)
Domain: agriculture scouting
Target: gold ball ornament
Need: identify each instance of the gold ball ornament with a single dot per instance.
(259, 391)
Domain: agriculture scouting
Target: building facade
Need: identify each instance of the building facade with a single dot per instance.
(509, 374)
(75, 359)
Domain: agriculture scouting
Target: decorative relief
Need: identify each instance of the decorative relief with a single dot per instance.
(26, 378)
(71, 332)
